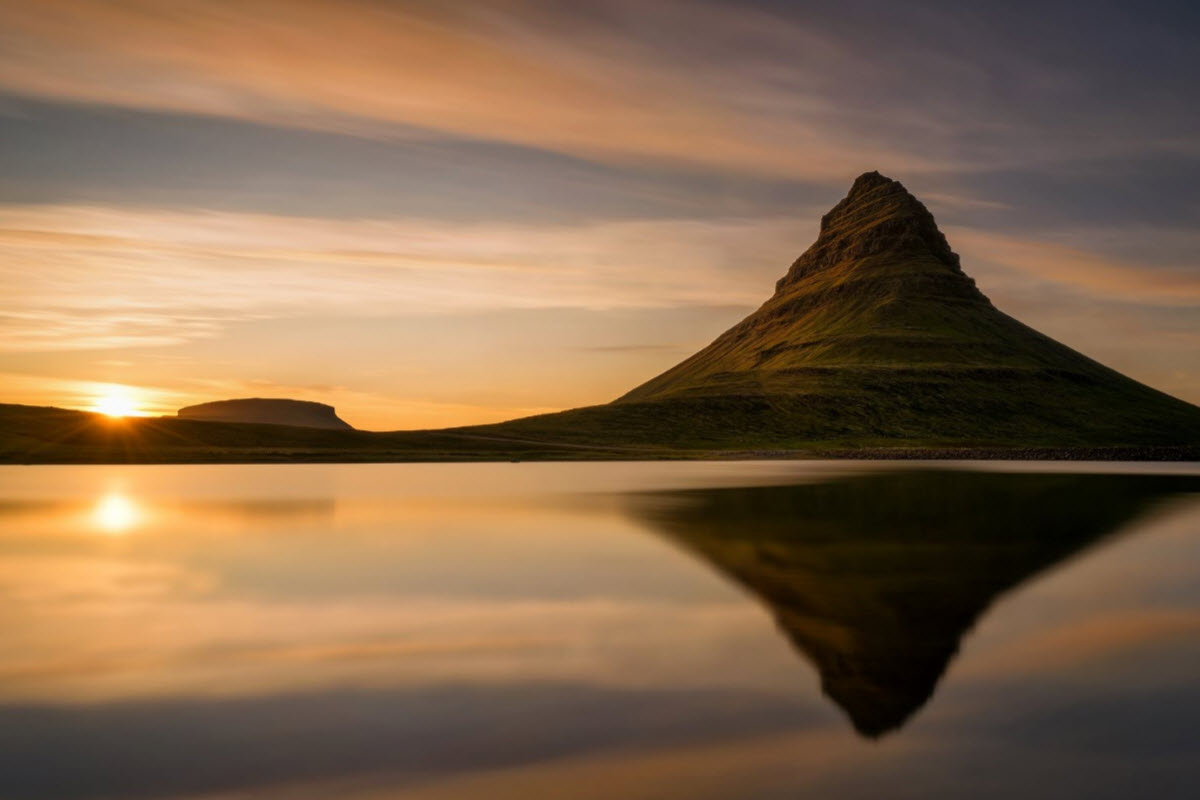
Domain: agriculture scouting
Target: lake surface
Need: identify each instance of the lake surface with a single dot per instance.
(645, 630)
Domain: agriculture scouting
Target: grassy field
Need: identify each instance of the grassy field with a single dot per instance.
(32, 435)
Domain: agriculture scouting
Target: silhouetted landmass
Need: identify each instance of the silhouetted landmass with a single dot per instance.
(876, 579)
(267, 411)
(875, 344)
(38, 435)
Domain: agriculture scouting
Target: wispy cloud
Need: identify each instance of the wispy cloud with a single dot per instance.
(101, 277)
(729, 87)
(86, 277)
(1089, 639)
(507, 71)
(631, 348)
(1090, 272)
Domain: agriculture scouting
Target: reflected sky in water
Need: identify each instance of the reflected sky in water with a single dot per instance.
(646, 630)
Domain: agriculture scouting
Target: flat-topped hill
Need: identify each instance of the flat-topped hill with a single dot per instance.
(267, 411)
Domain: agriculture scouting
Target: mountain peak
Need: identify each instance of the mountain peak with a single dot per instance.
(874, 188)
(870, 180)
(877, 218)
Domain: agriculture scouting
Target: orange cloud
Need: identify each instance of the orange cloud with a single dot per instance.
(88, 277)
(1091, 272)
(1089, 639)
(504, 71)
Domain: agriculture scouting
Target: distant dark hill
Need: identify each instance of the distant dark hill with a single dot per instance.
(876, 337)
(263, 411)
(877, 578)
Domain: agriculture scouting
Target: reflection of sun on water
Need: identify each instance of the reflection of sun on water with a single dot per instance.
(116, 513)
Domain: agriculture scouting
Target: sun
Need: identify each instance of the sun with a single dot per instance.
(116, 402)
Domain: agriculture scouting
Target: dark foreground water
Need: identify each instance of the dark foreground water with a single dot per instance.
(650, 630)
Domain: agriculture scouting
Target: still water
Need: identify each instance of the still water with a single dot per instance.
(648, 630)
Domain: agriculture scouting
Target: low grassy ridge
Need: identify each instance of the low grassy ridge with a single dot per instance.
(49, 435)
(56, 436)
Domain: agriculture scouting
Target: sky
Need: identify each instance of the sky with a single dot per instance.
(431, 214)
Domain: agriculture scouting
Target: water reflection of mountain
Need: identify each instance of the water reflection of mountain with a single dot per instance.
(876, 578)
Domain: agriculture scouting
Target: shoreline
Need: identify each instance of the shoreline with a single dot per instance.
(1164, 454)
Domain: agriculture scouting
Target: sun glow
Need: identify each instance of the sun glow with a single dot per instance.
(117, 401)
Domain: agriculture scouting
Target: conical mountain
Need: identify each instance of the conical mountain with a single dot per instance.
(879, 291)
(876, 337)
(876, 579)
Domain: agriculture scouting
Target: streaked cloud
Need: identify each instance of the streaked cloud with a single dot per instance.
(1103, 636)
(111, 277)
(509, 71)
(103, 278)
(813, 93)
(1090, 272)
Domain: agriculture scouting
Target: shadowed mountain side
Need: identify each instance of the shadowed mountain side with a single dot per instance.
(876, 579)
